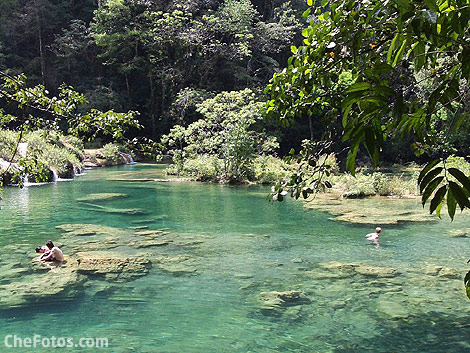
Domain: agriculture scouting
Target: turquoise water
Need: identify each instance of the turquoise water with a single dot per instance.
(247, 246)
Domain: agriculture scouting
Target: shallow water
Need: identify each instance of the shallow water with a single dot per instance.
(248, 246)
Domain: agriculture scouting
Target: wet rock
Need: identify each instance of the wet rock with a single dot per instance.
(297, 260)
(374, 210)
(381, 272)
(443, 272)
(112, 267)
(459, 233)
(391, 308)
(101, 197)
(361, 269)
(274, 299)
(148, 243)
(242, 275)
(55, 279)
(176, 265)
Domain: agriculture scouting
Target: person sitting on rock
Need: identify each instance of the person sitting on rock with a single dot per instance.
(42, 249)
(374, 237)
(54, 253)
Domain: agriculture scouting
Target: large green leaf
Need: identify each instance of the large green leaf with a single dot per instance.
(430, 189)
(371, 146)
(419, 55)
(358, 86)
(459, 195)
(430, 176)
(451, 204)
(431, 4)
(461, 177)
(427, 168)
(437, 199)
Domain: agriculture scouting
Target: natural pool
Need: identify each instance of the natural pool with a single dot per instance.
(225, 246)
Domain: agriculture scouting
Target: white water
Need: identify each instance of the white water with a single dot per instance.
(127, 157)
(22, 149)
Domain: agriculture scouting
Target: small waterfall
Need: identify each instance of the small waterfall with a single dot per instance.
(127, 157)
(22, 151)
(55, 176)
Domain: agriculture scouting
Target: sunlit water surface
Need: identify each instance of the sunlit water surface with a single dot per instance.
(249, 246)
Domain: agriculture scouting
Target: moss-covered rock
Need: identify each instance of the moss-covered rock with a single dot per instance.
(274, 299)
(102, 197)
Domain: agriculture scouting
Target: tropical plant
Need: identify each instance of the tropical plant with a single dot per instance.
(384, 46)
(227, 131)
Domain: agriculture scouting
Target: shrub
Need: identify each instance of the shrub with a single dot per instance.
(111, 153)
(268, 170)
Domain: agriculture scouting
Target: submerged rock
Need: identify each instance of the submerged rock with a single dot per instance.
(373, 210)
(101, 197)
(35, 287)
(459, 233)
(112, 210)
(390, 308)
(443, 272)
(361, 269)
(123, 268)
(274, 299)
(176, 265)
(82, 229)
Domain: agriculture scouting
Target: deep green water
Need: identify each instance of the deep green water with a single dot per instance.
(280, 246)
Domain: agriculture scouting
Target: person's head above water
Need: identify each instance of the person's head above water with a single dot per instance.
(378, 230)
(50, 244)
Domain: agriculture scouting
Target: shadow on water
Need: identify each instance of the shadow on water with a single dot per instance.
(435, 332)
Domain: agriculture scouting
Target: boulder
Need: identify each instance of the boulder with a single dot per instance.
(274, 299)
(390, 308)
(56, 280)
(102, 197)
(112, 267)
(360, 269)
(443, 272)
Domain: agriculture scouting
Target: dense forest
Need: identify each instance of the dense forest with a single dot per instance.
(159, 58)
(355, 79)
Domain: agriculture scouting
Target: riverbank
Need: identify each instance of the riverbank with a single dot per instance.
(47, 156)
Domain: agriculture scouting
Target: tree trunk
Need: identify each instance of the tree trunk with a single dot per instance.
(310, 126)
(127, 86)
(152, 105)
(41, 50)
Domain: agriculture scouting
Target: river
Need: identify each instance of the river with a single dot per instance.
(234, 272)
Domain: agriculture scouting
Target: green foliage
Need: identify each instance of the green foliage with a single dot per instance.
(268, 169)
(447, 180)
(110, 152)
(39, 111)
(236, 16)
(46, 151)
(227, 132)
(264, 169)
(383, 45)
(376, 183)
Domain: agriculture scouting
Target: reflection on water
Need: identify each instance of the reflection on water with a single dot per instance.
(225, 247)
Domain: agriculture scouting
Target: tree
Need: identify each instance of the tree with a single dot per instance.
(384, 47)
(227, 131)
(24, 108)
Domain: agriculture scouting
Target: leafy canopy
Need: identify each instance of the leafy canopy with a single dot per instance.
(226, 131)
(383, 45)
